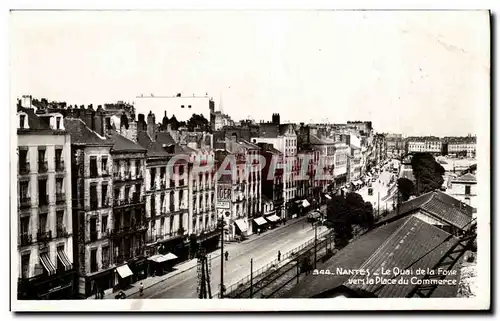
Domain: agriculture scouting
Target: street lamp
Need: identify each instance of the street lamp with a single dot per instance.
(221, 225)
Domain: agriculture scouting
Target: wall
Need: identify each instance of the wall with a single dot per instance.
(158, 105)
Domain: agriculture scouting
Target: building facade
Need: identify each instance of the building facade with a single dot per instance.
(45, 231)
(427, 144)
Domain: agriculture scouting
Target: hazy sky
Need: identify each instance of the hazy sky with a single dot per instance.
(408, 72)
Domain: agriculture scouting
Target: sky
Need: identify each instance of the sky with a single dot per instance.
(414, 72)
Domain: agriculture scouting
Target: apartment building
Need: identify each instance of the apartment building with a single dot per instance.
(428, 144)
(129, 226)
(45, 231)
(92, 207)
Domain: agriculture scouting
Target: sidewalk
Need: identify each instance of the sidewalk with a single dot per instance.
(190, 264)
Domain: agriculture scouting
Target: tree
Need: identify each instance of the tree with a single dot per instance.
(406, 188)
(198, 122)
(343, 213)
(428, 173)
(338, 217)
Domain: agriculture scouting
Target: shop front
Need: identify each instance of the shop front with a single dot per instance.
(260, 224)
(139, 268)
(210, 240)
(273, 220)
(123, 277)
(98, 281)
(43, 287)
(162, 263)
(241, 228)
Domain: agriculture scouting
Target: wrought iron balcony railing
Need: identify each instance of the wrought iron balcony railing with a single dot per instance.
(25, 202)
(61, 232)
(59, 165)
(43, 167)
(60, 198)
(24, 168)
(25, 239)
(43, 236)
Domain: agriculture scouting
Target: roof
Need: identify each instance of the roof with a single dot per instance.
(315, 140)
(154, 149)
(407, 244)
(438, 204)
(82, 135)
(466, 178)
(122, 144)
(268, 130)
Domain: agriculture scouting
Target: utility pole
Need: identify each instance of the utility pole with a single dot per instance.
(315, 242)
(221, 257)
(251, 278)
(378, 204)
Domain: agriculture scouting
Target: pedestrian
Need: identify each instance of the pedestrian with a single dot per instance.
(141, 289)
(102, 293)
(226, 255)
(279, 256)
(258, 231)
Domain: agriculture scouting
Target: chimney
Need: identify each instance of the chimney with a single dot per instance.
(141, 123)
(87, 117)
(99, 120)
(151, 126)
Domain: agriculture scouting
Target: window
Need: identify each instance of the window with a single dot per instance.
(42, 222)
(59, 220)
(181, 199)
(23, 161)
(172, 201)
(153, 205)
(25, 265)
(104, 166)
(105, 257)
(162, 223)
(43, 199)
(467, 190)
(24, 190)
(22, 118)
(93, 229)
(42, 163)
(93, 260)
(137, 168)
(117, 195)
(93, 197)
(58, 122)
(93, 166)
(162, 203)
(104, 195)
(25, 222)
(127, 192)
(153, 177)
(104, 224)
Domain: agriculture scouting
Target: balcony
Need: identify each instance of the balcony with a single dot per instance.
(59, 165)
(105, 264)
(25, 202)
(43, 167)
(105, 203)
(60, 198)
(25, 239)
(117, 175)
(104, 172)
(128, 229)
(61, 232)
(24, 168)
(129, 201)
(43, 236)
(163, 186)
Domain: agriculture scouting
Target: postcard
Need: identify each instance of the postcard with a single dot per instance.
(250, 160)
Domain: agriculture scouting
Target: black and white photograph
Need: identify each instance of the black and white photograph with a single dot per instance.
(270, 155)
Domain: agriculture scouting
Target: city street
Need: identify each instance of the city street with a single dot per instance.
(379, 189)
(263, 250)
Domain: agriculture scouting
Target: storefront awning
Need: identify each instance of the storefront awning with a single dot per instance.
(273, 218)
(328, 196)
(124, 271)
(61, 255)
(242, 225)
(47, 264)
(160, 258)
(260, 220)
(305, 203)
